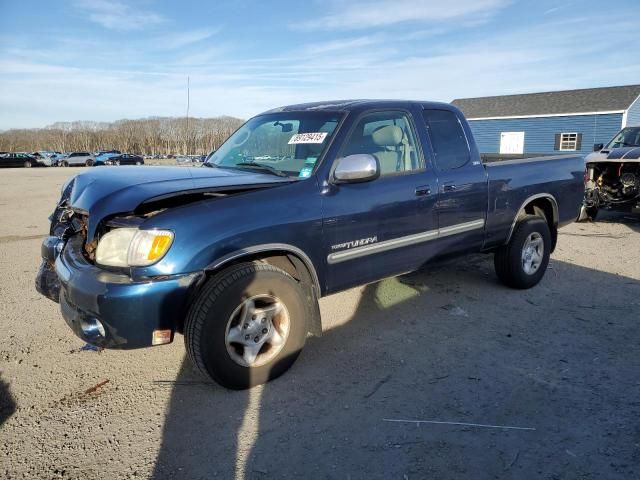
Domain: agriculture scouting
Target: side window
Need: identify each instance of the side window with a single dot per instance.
(390, 138)
(447, 138)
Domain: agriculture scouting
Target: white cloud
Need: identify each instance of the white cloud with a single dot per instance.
(344, 44)
(66, 80)
(171, 41)
(116, 15)
(376, 13)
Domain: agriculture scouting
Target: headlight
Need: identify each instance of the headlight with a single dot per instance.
(130, 247)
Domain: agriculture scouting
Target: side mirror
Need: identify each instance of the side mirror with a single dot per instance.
(598, 146)
(356, 168)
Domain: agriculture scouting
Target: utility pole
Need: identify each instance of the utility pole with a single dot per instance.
(187, 139)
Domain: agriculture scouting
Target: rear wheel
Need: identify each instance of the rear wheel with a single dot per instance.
(28, 164)
(65, 163)
(89, 163)
(523, 261)
(247, 326)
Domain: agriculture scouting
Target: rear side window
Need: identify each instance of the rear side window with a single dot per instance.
(447, 138)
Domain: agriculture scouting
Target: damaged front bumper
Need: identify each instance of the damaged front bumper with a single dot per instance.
(110, 309)
(47, 282)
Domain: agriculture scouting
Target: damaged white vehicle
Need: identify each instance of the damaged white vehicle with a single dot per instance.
(612, 178)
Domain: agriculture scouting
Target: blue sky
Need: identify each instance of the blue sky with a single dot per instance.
(103, 60)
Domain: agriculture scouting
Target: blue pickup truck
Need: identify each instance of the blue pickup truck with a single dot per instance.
(300, 202)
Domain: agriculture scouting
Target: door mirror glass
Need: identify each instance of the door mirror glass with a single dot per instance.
(356, 168)
(597, 147)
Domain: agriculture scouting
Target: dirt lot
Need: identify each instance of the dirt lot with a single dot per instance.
(560, 361)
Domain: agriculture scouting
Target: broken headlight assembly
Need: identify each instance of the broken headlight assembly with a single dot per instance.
(130, 247)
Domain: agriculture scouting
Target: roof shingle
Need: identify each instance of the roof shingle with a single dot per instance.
(548, 103)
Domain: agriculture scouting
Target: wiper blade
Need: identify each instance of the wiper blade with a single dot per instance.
(262, 166)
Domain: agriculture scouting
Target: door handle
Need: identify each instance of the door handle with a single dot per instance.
(449, 188)
(423, 190)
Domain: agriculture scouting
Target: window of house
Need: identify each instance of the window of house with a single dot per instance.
(568, 141)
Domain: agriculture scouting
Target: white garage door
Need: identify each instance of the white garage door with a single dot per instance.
(512, 142)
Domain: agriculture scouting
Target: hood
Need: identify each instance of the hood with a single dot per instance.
(104, 191)
(622, 154)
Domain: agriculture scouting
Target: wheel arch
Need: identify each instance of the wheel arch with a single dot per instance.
(542, 204)
(286, 257)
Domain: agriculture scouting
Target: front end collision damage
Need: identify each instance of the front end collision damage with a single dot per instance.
(612, 184)
(47, 281)
(117, 307)
(61, 228)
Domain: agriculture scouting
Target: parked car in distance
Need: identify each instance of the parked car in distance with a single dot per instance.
(43, 158)
(102, 152)
(300, 202)
(190, 158)
(56, 158)
(612, 179)
(76, 159)
(103, 157)
(124, 159)
(18, 159)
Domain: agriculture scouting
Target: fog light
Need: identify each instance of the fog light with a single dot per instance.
(92, 329)
(160, 337)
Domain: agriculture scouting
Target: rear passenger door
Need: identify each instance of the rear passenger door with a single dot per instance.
(462, 194)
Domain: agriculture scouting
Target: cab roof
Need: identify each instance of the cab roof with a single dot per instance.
(358, 104)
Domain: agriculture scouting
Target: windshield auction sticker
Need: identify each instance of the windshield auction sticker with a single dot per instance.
(311, 137)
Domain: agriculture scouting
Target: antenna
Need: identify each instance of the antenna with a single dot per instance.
(187, 142)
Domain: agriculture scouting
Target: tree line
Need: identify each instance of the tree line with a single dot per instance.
(148, 136)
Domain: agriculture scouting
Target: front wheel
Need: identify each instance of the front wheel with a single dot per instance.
(247, 326)
(522, 262)
(89, 163)
(28, 164)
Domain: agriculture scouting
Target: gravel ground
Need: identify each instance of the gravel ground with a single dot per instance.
(560, 361)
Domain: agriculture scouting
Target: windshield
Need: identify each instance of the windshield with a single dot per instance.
(628, 137)
(285, 143)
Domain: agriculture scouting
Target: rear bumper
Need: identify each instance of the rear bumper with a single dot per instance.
(110, 309)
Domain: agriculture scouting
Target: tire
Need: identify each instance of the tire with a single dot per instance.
(212, 324)
(512, 267)
(65, 163)
(89, 163)
(592, 212)
(28, 164)
(138, 163)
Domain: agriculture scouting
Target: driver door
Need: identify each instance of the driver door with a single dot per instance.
(381, 227)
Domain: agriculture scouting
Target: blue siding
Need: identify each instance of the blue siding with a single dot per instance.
(539, 136)
(633, 114)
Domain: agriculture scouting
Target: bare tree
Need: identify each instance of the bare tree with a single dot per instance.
(148, 136)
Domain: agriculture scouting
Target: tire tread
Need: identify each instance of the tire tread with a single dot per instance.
(508, 270)
(197, 315)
